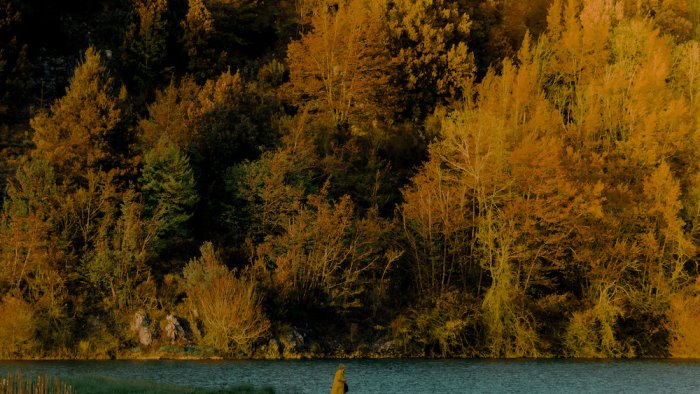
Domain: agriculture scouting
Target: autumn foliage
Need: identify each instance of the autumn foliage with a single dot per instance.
(323, 178)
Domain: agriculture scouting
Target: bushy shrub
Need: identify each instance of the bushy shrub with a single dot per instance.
(228, 305)
(16, 327)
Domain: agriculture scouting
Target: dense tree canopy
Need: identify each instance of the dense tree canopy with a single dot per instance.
(333, 177)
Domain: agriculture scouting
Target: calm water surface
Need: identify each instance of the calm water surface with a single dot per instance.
(392, 376)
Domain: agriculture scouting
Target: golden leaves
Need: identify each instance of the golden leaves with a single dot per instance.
(339, 69)
(74, 136)
(228, 303)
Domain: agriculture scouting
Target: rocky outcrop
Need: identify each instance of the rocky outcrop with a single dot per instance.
(292, 343)
(173, 329)
(140, 326)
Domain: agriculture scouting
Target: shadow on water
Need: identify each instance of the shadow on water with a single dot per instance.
(102, 385)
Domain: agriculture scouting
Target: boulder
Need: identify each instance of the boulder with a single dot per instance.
(173, 329)
(140, 326)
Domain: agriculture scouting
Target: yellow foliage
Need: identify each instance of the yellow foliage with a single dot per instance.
(684, 324)
(432, 53)
(173, 115)
(149, 12)
(229, 306)
(687, 70)
(75, 135)
(198, 24)
(338, 70)
(16, 327)
(591, 333)
(673, 17)
(177, 115)
(510, 330)
(323, 249)
(445, 322)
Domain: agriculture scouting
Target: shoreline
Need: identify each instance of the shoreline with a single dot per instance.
(164, 356)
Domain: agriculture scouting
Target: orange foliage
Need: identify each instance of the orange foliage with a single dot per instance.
(684, 324)
(75, 135)
(16, 327)
(338, 70)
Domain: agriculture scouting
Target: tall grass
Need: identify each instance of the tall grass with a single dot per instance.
(22, 383)
(18, 383)
(109, 385)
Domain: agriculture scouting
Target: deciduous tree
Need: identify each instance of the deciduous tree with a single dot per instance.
(198, 35)
(428, 43)
(87, 129)
(339, 70)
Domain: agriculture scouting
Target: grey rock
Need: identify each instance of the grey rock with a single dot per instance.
(173, 329)
(292, 343)
(140, 326)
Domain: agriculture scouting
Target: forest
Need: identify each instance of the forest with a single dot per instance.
(349, 178)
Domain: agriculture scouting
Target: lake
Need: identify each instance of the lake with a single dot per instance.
(373, 376)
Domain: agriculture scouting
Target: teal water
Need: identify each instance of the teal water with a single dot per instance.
(373, 376)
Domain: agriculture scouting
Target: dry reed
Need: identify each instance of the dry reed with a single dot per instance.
(19, 383)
